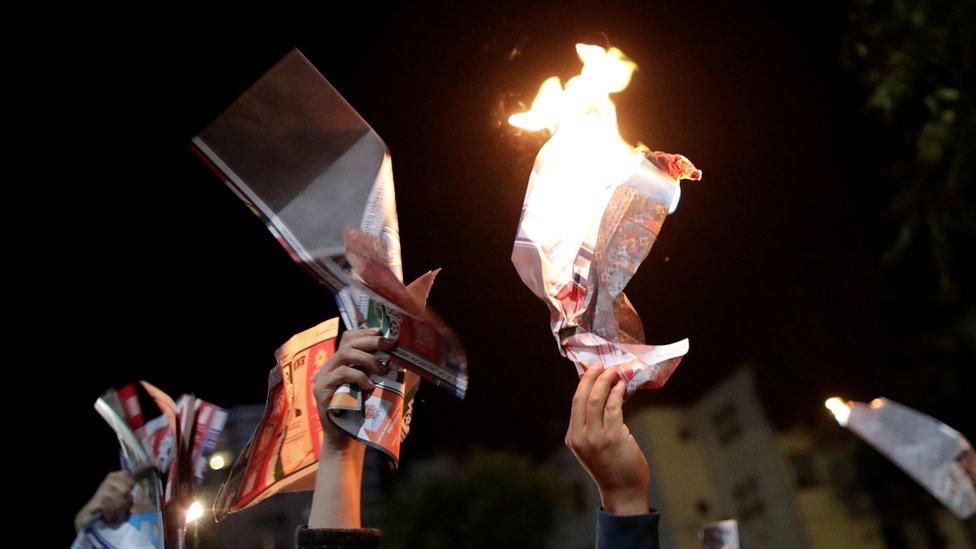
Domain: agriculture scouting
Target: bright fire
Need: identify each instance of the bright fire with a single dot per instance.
(586, 95)
(840, 409)
(585, 152)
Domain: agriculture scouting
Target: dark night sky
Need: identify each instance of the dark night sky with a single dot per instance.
(176, 282)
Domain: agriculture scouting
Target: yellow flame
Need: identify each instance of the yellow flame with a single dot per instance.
(586, 95)
(585, 100)
(545, 108)
(877, 403)
(585, 154)
(840, 408)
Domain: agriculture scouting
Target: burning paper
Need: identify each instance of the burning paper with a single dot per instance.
(593, 208)
(303, 159)
(937, 456)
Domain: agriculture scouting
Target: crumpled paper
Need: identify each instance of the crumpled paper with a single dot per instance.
(578, 258)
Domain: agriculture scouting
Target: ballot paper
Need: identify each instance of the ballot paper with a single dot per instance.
(144, 528)
(937, 456)
(139, 531)
(164, 455)
(283, 453)
(303, 159)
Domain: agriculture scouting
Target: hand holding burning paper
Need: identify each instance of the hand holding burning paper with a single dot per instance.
(593, 209)
(931, 452)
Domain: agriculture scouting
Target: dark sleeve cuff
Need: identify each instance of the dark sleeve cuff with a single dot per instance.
(627, 532)
(336, 538)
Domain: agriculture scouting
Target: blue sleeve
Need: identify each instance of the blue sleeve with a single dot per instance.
(627, 532)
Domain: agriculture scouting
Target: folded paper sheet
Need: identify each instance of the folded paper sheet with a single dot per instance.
(931, 452)
(303, 159)
(282, 454)
(593, 208)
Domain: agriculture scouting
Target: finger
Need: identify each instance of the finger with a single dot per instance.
(362, 360)
(121, 484)
(345, 374)
(85, 516)
(114, 517)
(112, 503)
(614, 414)
(372, 343)
(577, 418)
(128, 480)
(365, 342)
(353, 357)
(353, 334)
(596, 403)
(102, 505)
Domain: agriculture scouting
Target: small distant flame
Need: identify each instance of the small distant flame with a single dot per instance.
(877, 403)
(840, 408)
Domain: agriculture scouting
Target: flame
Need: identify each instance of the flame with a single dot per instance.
(585, 159)
(586, 95)
(877, 403)
(585, 151)
(840, 408)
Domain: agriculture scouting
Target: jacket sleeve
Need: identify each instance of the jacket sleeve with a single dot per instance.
(627, 532)
(334, 538)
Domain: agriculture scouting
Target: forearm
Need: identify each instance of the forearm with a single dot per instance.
(336, 500)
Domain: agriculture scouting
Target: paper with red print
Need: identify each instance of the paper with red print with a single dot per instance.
(283, 452)
(578, 253)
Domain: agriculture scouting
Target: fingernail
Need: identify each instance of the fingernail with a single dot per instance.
(387, 344)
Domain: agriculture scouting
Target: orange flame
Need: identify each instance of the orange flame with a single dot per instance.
(840, 408)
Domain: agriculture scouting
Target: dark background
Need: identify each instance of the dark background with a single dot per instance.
(777, 257)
